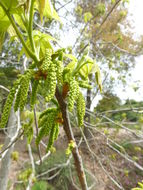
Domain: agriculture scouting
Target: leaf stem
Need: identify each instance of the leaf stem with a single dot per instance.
(31, 26)
(30, 53)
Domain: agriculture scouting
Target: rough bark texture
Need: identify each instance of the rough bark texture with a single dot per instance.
(70, 136)
(6, 161)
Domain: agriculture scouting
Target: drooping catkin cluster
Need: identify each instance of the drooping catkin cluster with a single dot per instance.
(34, 93)
(80, 109)
(47, 60)
(59, 71)
(8, 104)
(21, 96)
(50, 68)
(48, 126)
(73, 93)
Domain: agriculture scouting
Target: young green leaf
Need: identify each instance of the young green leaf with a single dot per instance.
(42, 8)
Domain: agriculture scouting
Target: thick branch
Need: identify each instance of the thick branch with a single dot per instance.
(70, 136)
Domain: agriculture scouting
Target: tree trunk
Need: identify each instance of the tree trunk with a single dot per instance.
(6, 160)
(70, 136)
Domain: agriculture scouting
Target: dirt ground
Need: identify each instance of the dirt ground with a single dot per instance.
(112, 166)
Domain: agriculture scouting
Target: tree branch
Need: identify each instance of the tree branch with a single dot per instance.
(70, 136)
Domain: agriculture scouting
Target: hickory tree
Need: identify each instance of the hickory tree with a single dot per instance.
(62, 75)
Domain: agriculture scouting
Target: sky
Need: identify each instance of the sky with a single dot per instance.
(136, 9)
(136, 15)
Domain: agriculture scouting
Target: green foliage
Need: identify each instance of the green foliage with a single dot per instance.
(71, 145)
(100, 9)
(42, 185)
(140, 186)
(108, 102)
(25, 175)
(87, 17)
(45, 9)
(63, 180)
(15, 156)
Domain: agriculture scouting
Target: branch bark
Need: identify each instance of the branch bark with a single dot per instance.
(68, 130)
(6, 161)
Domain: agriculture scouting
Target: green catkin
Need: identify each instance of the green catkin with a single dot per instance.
(44, 130)
(40, 135)
(80, 109)
(8, 104)
(34, 93)
(42, 121)
(59, 71)
(47, 60)
(28, 131)
(61, 54)
(49, 110)
(52, 79)
(51, 137)
(84, 84)
(73, 93)
(17, 100)
(25, 82)
(56, 131)
(46, 122)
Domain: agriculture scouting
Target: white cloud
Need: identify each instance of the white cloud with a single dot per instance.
(136, 9)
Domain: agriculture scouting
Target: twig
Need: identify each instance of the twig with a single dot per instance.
(10, 144)
(125, 157)
(121, 154)
(98, 159)
(43, 158)
(33, 168)
(4, 88)
(106, 17)
(110, 120)
(63, 6)
(56, 167)
(36, 124)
